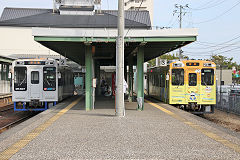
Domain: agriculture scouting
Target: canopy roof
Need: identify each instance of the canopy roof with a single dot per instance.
(71, 42)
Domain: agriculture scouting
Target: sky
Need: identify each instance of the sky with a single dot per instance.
(217, 20)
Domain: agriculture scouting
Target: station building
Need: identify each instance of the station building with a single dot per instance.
(89, 38)
(5, 66)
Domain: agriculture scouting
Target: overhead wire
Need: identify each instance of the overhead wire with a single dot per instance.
(135, 17)
(207, 7)
(222, 14)
(205, 4)
(225, 43)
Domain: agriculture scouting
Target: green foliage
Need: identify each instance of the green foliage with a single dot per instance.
(224, 61)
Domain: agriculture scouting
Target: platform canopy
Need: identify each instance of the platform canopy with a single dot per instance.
(71, 42)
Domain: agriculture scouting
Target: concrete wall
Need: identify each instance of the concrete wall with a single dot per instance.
(135, 4)
(226, 77)
(19, 40)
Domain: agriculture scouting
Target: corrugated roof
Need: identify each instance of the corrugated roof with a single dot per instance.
(13, 13)
(137, 16)
(29, 17)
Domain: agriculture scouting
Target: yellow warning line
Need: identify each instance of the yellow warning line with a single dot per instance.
(199, 128)
(9, 152)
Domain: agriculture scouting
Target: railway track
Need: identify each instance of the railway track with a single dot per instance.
(8, 126)
(9, 118)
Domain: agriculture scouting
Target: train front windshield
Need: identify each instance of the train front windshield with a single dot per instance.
(20, 78)
(49, 78)
(207, 77)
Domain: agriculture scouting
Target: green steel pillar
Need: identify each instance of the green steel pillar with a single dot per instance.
(2, 72)
(140, 76)
(88, 78)
(130, 79)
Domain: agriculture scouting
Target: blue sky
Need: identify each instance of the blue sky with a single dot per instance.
(217, 21)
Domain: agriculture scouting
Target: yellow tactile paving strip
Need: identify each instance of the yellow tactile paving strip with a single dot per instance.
(199, 128)
(9, 152)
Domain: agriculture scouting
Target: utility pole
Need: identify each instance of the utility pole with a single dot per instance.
(180, 10)
(120, 108)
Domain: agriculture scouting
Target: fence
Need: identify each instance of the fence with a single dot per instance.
(230, 104)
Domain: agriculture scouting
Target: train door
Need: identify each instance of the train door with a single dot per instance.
(176, 90)
(193, 85)
(35, 84)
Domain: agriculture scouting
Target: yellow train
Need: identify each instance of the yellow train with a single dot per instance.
(187, 84)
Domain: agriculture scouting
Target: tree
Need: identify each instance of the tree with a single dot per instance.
(224, 61)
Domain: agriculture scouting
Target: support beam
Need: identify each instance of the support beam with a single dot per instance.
(88, 78)
(140, 76)
(130, 79)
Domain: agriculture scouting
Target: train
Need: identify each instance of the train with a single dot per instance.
(186, 84)
(38, 83)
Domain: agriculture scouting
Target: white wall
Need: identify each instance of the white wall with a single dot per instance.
(19, 40)
(226, 77)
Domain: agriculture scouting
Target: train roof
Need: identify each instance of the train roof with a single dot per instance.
(182, 61)
(35, 59)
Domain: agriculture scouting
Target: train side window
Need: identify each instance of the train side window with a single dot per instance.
(207, 77)
(35, 77)
(20, 78)
(192, 79)
(178, 77)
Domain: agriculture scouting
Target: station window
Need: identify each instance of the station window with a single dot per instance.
(35, 77)
(20, 78)
(192, 79)
(178, 77)
(207, 77)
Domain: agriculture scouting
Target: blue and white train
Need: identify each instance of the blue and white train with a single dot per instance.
(38, 82)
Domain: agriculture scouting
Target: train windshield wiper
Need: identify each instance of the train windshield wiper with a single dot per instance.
(22, 81)
(47, 82)
(205, 83)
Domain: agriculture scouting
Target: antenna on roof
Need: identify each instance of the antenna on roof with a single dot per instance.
(55, 2)
(98, 6)
(54, 6)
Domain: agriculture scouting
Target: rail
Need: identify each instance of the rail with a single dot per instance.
(6, 127)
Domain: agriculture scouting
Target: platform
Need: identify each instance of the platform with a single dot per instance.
(161, 131)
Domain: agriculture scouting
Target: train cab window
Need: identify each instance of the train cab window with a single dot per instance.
(178, 77)
(49, 78)
(20, 78)
(35, 77)
(207, 77)
(192, 79)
